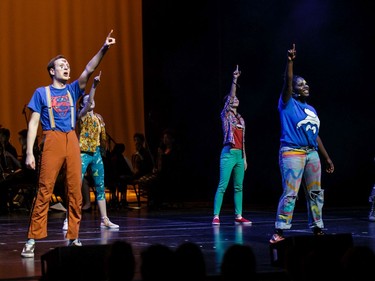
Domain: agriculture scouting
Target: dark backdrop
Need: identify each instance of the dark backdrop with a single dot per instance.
(191, 49)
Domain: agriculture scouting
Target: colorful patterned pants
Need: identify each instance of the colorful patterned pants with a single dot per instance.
(300, 167)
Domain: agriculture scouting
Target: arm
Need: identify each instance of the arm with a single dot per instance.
(232, 93)
(31, 136)
(233, 88)
(94, 62)
(287, 90)
(88, 105)
(244, 156)
(329, 164)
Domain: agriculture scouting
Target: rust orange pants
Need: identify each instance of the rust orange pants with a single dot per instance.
(58, 148)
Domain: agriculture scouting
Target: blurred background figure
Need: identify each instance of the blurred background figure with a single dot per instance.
(10, 170)
(120, 174)
(142, 160)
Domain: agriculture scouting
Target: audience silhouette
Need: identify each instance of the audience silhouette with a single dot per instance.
(357, 263)
(189, 263)
(239, 263)
(121, 262)
(156, 261)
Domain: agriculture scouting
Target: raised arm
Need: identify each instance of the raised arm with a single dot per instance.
(94, 62)
(327, 160)
(88, 104)
(287, 90)
(230, 97)
(234, 85)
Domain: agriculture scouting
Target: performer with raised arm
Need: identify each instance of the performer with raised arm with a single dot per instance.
(54, 106)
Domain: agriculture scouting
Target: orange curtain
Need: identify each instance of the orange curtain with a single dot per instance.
(32, 32)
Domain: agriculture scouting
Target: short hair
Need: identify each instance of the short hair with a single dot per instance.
(295, 78)
(140, 136)
(51, 63)
(5, 132)
(23, 133)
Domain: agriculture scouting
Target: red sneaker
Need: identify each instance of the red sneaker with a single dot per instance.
(242, 221)
(216, 221)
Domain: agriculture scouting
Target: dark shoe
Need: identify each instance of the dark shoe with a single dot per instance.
(318, 231)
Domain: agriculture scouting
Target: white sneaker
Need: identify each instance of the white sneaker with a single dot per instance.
(106, 223)
(65, 225)
(28, 250)
(75, 243)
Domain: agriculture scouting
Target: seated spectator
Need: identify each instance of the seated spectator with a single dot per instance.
(5, 142)
(10, 171)
(120, 174)
(142, 160)
(167, 188)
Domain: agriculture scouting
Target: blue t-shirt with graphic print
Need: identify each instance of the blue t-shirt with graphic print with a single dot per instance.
(299, 124)
(60, 106)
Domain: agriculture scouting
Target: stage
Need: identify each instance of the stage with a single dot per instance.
(172, 226)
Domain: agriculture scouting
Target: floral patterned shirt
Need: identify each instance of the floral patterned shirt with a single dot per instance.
(92, 133)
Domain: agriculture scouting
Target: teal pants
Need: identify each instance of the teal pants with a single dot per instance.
(231, 161)
(95, 160)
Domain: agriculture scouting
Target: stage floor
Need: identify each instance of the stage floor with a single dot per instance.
(172, 226)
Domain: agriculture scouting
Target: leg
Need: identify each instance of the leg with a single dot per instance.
(86, 159)
(74, 184)
(292, 164)
(238, 176)
(97, 173)
(313, 191)
(53, 157)
(86, 194)
(227, 161)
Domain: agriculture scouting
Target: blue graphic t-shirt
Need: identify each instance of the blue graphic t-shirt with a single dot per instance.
(60, 106)
(299, 124)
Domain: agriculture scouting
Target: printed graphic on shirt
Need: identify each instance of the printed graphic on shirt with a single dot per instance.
(60, 104)
(311, 121)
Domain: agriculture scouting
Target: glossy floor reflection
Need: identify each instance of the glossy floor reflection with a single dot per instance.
(171, 226)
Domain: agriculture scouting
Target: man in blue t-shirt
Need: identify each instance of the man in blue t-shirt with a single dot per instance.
(54, 107)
